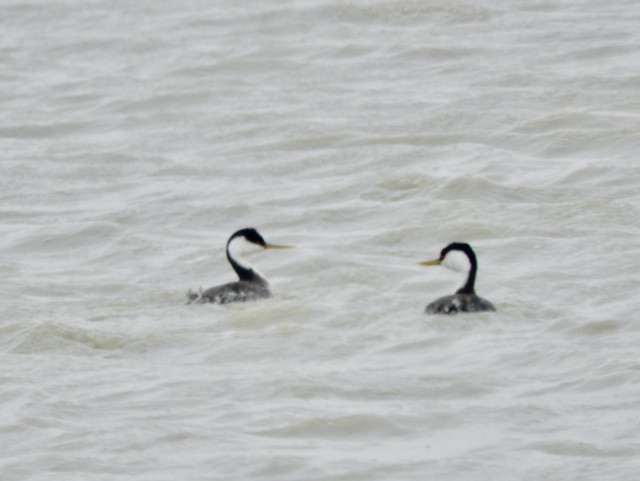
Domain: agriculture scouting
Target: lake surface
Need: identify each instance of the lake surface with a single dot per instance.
(136, 137)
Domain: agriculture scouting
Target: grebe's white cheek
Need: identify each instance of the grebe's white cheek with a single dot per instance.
(457, 261)
(240, 246)
(250, 248)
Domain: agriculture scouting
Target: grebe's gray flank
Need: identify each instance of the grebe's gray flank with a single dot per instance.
(251, 285)
(460, 257)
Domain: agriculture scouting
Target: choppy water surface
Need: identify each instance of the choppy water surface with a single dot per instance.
(137, 136)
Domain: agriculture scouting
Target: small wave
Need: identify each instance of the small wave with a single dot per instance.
(482, 189)
(44, 131)
(581, 449)
(338, 427)
(57, 337)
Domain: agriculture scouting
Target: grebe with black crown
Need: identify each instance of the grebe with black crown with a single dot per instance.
(459, 257)
(251, 285)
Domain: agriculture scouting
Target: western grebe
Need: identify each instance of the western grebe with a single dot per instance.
(459, 257)
(252, 285)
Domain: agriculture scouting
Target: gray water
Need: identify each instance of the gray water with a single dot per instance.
(136, 137)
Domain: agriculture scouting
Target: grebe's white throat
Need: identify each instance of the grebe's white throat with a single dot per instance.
(238, 247)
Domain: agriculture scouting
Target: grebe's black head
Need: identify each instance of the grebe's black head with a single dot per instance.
(244, 242)
(460, 247)
(251, 235)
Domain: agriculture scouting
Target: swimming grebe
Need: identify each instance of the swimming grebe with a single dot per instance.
(459, 257)
(251, 284)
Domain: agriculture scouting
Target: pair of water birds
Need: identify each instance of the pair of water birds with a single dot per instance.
(253, 286)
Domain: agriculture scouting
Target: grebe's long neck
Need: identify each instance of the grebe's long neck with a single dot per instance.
(460, 257)
(245, 271)
(469, 285)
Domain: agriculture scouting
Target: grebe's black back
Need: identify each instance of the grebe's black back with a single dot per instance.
(460, 257)
(251, 285)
